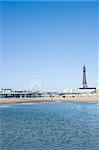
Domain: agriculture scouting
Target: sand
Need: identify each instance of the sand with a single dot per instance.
(54, 99)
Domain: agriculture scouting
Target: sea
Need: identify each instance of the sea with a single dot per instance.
(49, 126)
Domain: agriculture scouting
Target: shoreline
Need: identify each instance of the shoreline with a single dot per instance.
(48, 99)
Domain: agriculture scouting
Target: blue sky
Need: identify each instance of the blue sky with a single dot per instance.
(48, 41)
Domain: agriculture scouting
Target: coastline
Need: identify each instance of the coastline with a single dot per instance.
(49, 99)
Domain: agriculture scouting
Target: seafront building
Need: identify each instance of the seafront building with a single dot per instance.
(9, 93)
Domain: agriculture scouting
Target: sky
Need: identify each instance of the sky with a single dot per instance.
(48, 43)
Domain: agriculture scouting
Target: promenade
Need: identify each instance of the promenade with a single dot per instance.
(50, 99)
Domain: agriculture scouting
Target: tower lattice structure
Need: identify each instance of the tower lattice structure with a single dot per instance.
(84, 77)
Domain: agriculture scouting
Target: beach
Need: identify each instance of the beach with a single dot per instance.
(50, 99)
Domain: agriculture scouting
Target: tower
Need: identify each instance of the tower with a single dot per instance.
(84, 77)
(85, 88)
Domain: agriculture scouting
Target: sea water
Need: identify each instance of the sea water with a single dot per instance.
(49, 126)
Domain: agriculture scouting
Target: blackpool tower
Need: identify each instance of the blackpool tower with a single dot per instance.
(84, 82)
(84, 77)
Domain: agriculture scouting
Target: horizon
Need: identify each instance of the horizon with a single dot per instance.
(48, 42)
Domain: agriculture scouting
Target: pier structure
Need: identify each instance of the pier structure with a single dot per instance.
(7, 93)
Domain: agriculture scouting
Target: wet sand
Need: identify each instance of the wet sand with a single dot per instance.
(50, 99)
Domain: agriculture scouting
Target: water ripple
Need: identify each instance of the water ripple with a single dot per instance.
(55, 126)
